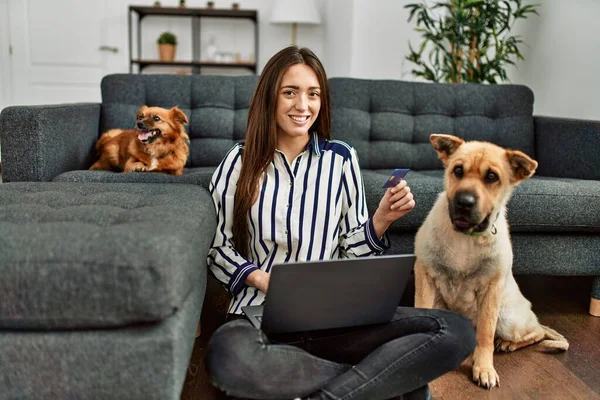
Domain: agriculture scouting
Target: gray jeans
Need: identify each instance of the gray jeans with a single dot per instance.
(368, 362)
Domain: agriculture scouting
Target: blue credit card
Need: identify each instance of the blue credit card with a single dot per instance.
(396, 177)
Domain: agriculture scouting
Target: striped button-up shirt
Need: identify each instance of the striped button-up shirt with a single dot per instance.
(313, 208)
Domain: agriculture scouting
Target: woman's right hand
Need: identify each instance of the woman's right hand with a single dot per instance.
(259, 279)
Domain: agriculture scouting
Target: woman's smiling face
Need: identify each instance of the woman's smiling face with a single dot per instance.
(298, 102)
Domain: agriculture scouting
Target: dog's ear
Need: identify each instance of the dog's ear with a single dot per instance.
(521, 164)
(445, 145)
(179, 115)
(141, 110)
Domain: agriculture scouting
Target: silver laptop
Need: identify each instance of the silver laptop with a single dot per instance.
(332, 294)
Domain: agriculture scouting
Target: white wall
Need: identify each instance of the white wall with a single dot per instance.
(381, 40)
(372, 36)
(562, 58)
(338, 21)
(5, 87)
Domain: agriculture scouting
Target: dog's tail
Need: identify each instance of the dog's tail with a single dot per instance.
(553, 341)
(106, 137)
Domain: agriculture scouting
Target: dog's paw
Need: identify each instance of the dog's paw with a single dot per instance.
(505, 345)
(486, 377)
(135, 167)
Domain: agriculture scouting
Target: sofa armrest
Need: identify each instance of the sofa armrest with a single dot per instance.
(567, 148)
(41, 142)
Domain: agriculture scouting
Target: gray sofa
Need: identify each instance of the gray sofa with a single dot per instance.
(554, 217)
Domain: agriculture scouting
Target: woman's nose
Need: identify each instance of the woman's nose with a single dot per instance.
(301, 103)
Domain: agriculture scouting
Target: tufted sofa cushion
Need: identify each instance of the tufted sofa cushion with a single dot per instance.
(100, 255)
(216, 106)
(389, 122)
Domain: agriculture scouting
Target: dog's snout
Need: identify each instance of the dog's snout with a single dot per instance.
(465, 200)
(140, 125)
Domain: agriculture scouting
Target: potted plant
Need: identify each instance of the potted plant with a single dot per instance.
(210, 5)
(466, 40)
(167, 44)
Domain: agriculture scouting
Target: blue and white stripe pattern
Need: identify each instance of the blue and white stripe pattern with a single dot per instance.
(313, 208)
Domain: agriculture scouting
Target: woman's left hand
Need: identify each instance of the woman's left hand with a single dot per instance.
(395, 203)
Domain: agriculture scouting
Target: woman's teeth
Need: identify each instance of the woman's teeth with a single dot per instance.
(299, 119)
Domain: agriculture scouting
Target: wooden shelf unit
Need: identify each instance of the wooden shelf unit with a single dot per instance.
(195, 14)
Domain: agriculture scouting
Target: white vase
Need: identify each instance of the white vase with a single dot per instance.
(211, 50)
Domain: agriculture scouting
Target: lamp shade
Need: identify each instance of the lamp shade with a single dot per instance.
(295, 11)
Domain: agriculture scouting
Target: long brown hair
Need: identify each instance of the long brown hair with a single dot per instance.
(261, 132)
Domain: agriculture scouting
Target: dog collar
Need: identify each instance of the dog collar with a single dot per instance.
(493, 231)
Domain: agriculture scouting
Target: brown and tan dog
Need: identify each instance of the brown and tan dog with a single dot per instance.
(159, 143)
(464, 252)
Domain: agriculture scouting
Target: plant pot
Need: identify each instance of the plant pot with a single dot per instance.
(166, 52)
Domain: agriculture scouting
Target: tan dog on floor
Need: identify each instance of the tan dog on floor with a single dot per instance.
(464, 253)
(158, 143)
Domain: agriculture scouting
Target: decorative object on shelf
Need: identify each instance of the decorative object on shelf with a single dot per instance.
(235, 6)
(466, 40)
(288, 12)
(210, 5)
(225, 57)
(181, 3)
(210, 50)
(167, 44)
(157, 3)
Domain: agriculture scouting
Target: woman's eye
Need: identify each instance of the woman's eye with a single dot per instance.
(458, 171)
(288, 92)
(157, 119)
(315, 94)
(491, 177)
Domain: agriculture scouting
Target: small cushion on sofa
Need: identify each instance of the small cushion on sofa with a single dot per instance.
(539, 204)
(196, 176)
(99, 255)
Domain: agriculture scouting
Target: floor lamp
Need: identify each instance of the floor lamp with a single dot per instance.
(295, 12)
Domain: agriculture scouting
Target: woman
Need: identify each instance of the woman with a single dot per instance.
(289, 193)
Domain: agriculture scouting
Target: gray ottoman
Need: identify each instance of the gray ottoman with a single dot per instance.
(101, 287)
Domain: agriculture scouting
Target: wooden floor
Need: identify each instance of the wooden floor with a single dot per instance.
(560, 302)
